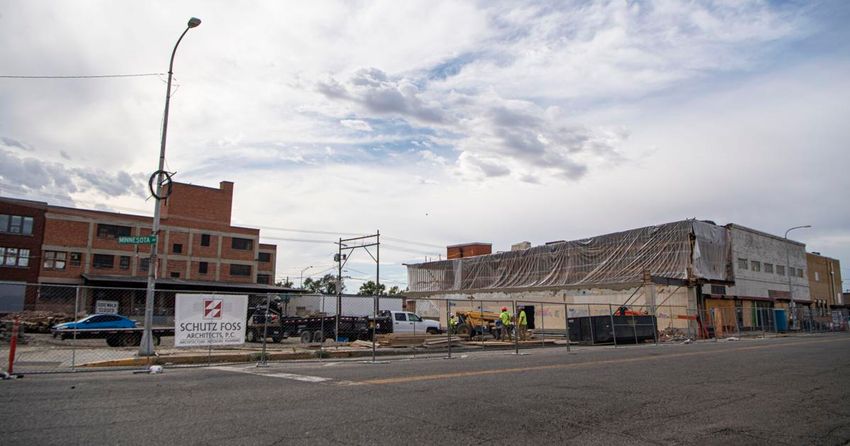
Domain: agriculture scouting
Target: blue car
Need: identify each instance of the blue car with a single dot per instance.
(94, 322)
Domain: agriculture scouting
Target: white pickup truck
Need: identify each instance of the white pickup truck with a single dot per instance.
(410, 323)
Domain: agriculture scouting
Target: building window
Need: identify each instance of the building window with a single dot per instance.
(817, 277)
(203, 267)
(112, 231)
(144, 264)
(205, 240)
(742, 264)
(76, 258)
(240, 270)
(15, 257)
(103, 261)
(792, 271)
(780, 269)
(54, 259)
(244, 244)
(16, 224)
(755, 265)
(177, 248)
(124, 262)
(264, 257)
(263, 279)
(799, 272)
(718, 289)
(768, 268)
(175, 275)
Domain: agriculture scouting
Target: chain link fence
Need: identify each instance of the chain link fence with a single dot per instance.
(74, 328)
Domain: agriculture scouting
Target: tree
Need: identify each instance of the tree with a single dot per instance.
(285, 283)
(325, 285)
(394, 290)
(369, 289)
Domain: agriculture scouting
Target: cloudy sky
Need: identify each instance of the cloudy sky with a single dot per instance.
(440, 122)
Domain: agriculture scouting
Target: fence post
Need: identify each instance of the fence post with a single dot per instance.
(634, 328)
(713, 323)
(613, 328)
(590, 320)
(263, 362)
(655, 323)
(542, 323)
(375, 323)
(567, 323)
(449, 326)
(738, 324)
(74, 342)
(516, 340)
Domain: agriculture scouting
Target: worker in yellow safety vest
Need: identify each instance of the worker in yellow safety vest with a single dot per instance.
(452, 323)
(505, 317)
(522, 325)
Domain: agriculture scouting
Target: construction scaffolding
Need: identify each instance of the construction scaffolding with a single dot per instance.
(684, 250)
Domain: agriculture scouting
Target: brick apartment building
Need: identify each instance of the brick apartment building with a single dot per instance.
(198, 248)
(21, 233)
(824, 282)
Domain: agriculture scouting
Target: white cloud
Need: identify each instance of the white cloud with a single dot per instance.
(356, 124)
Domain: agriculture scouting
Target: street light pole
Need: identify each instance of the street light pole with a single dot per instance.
(146, 346)
(301, 280)
(792, 305)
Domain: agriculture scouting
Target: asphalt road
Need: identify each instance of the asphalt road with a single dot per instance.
(766, 391)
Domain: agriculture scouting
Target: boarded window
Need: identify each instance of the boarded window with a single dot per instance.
(103, 261)
(112, 231)
(244, 244)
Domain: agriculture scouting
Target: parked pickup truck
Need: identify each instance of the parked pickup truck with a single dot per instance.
(410, 323)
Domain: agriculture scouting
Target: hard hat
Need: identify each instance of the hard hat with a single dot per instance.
(504, 308)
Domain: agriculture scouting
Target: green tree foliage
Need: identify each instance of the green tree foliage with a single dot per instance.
(369, 289)
(325, 285)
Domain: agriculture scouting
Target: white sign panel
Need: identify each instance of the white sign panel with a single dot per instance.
(106, 307)
(202, 320)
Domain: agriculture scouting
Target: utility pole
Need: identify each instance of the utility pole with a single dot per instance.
(792, 305)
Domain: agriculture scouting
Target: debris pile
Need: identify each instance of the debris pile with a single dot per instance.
(39, 321)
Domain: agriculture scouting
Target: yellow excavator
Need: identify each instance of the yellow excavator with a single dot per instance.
(473, 324)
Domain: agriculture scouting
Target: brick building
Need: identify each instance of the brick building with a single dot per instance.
(824, 282)
(198, 247)
(21, 232)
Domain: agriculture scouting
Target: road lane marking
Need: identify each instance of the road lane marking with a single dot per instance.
(262, 372)
(438, 376)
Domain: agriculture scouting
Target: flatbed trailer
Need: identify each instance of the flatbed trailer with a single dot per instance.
(115, 337)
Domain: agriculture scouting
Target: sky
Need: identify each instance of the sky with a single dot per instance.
(439, 122)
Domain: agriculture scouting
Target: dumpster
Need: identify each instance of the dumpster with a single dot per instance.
(781, 320)
(597, 329)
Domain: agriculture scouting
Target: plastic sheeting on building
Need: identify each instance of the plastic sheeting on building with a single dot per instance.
(679, 250)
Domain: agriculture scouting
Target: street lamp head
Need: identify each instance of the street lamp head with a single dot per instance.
(193, 22)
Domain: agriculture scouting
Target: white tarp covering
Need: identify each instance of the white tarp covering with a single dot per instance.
(665, 251)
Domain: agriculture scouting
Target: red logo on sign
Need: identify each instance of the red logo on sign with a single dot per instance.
(212, 309)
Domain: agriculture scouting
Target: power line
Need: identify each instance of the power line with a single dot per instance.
(84, 76)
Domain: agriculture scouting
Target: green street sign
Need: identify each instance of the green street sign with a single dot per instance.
(137, 240)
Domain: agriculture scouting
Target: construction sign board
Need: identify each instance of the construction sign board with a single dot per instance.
(202, 320)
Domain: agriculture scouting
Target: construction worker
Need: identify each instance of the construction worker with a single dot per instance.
(505, 318)
(522, 324)
(452, 323)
